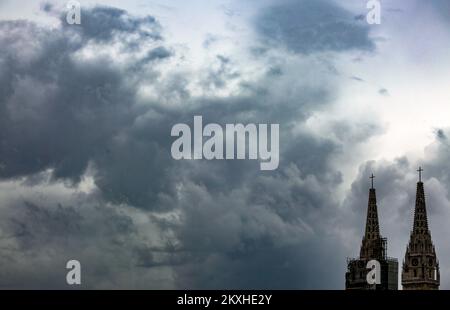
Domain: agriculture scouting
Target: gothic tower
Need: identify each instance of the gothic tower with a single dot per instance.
(373, 247)
(372, 243)
(421, 266)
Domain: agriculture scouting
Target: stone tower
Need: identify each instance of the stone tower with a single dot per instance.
(421, 266)
(373, 247)
(372, 243)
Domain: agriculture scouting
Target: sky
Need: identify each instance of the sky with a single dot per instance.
(86, 113)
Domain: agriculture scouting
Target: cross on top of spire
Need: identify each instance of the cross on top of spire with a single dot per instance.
(420, 173)
(372, 177)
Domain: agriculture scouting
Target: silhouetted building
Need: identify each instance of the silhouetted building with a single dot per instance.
(421, 266)
(373, 247)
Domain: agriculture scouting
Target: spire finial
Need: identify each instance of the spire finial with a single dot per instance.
(420, 173)
(372, 177)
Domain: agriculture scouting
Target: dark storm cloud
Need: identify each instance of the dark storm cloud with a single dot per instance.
(223, 224)
(38, 238)
(310, 26)
(256, 234)
(58, 111)
(49, 122)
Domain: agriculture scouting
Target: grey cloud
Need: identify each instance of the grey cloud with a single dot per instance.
(439, 151)
(158, 53)
(63, 114)
(222, 73)
(46, 6)
(57, 111)
(440, 134)
(360, 17)
(257, 238)
(442, 7)
(274, 71)
(383, 92)
(394, 10)
(210, 40)
(355, 132)
(311, 26)
(356, 78)
(102, 23)
(36, 233)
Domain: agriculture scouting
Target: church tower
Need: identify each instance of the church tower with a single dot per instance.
(421, 266)
(373, 247)
(372, 243)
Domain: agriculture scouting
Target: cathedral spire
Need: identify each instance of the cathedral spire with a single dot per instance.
(373, 247)
(421, 266)
(420, 225)
(372, 225)
(372, 243)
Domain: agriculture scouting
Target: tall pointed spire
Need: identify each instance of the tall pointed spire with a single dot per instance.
(421, 266)
(420, 225)
(373, 247)
(372, 243)
(372, 225)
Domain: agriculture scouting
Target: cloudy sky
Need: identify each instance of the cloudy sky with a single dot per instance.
(86, 112)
